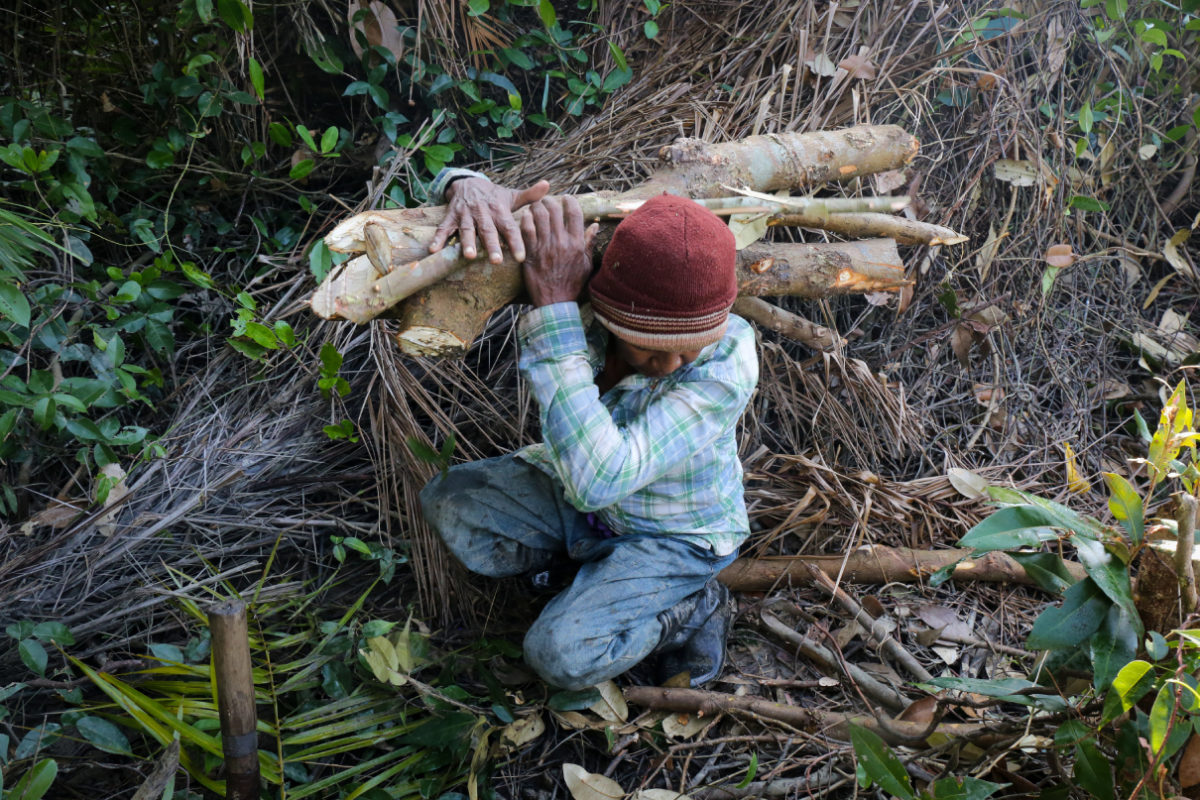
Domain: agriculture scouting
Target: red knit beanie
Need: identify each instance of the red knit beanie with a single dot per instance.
(667, 279)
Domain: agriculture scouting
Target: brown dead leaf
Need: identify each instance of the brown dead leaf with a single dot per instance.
(878, 298)
(986, 81)
(919, 711)
(1056, 46)
(872, 605)
(1018, 173)
(1060, 255)
(377, 24)
(943, 619)
(1154, 290)
(967, 483)
(1189, 763)
(889, 181)
(984, 394)
(821, 64)
(1175, 258)
(858, 67)
(961, 342)
(1113, 389)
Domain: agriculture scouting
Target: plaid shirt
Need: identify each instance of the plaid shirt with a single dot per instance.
(651, 455)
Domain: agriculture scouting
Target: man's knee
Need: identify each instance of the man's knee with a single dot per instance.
(571, 656)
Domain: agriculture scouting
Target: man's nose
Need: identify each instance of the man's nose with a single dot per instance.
(669, 362)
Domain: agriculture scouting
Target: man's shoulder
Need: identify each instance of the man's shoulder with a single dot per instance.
(734, 359)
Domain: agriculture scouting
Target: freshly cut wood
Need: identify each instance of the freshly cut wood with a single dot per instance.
(448, 302)
(902, 229)
(443, 319)
(879, 564)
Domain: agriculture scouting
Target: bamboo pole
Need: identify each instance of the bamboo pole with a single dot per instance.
(235, 698)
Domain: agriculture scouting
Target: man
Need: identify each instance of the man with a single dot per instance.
(637, 478)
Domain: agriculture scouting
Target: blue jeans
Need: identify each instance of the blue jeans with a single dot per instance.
(503, 517)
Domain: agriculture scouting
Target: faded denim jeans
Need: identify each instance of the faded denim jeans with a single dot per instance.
(503, 517)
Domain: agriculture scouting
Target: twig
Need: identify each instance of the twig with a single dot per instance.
(781, 787)
(881, 694)
(1185, 539)
(787, 323)
(876, 628)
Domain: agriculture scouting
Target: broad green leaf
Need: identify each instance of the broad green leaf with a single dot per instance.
(1046, 569)
(650, 28)
(302, 169)
(36, 782)
(1113, 646)
(574, 701)
(965, 788)
(996, 687)
(329, 139)
(1012, 527)
(53, 632)
(33, 655)
(1062, 516)
(547, 13)
(1126, 505)
(477, 7)
(1092, 771)
(103, 735)
(37, 738)
(1086, 119)
(1110, 575)
(880, 763)
(13, 304)
(1080, 615)
(1160, 716)
(1156, 646)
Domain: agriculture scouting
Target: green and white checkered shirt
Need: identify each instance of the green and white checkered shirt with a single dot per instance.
(653, 455)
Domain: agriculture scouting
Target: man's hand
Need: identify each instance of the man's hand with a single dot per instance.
(560, 250)
(478, 204)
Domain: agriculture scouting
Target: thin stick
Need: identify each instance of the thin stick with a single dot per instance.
(876, 628)
(235, 698)
(870, 687)
(1184, 542)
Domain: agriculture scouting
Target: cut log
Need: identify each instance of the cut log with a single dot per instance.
(902, 229)
(449, 301)
(443, 319)
(879, 564)
(784, 322)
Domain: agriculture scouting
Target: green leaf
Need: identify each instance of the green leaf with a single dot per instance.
(54, 632)
(37, 738)
(1113, 646)
(1011, 528)
(1157, 647)
(1087, 203)
(279, 134)
(1130, 684)
(1085, 118)
(1126, 505)
(1115, 9)
(204, 8)
(616, 79)
(751, 771)
(302, 169)
(103, 735)
(573, 701)
(477, 7)
(1092, 771)
(650, 29)
(1046, 569)
(1160, 716)
(966, 788)
(1080, 615)
(44, 411)
(329, 139)
(167, 652)
(33, 655)
(547, 13)
(880, 763)
(618, 55)
(256, 77)
(13, 304)
(235, 14)
(36, 782)
(1109, 574)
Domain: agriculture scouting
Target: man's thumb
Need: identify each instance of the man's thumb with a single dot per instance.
(531, 195)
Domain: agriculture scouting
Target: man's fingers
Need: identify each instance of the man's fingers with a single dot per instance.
(555, 212)
(530, 195)
(466, 232)
(574, 215)
(589, 236)
(529, 232)
(512, 233)
(491, 240)
(443, 231)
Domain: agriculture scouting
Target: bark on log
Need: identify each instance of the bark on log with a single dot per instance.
(443, 319)
(879, 564)
(894, 731)
(794, 326)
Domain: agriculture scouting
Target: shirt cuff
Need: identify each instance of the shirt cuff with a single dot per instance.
(446, 176)
(552, 331)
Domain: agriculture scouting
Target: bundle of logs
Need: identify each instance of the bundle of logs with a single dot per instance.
(443, 301)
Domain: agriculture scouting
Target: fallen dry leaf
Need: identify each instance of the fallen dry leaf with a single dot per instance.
(1075, 482)
(611, 706)
(1189, 763)
(1018, 173)
(962, 339)
(944, 620)
(521, 732)
(584, 785)
(890, 180)
(919, 711)
(683, 726)
(967, 483)
(1060, 255)
(821, 65)
(858, 67)
(1177, 259)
